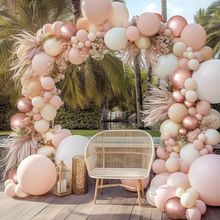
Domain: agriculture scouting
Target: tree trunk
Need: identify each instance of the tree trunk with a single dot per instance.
(138, 90)
(164, 9)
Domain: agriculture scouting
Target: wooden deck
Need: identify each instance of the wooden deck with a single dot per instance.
(112, 204)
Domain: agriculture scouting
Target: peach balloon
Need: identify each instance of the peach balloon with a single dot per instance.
(194, 35)
(177, 112)
(82, 24)
(47, 83)
(36, 174)
(179, 77)
(75, 56)
(132, 33)
(82, 35)
(148, 24)
(172, 165)
(206, 53)
(56, 26)
(159, 180)
(42, 63)
(183, 64)
(177, 96)
(133, 183)
(176, 24)
(203, 108)
(184, 168)
(198, 144)
(67, 30)
(47, 29)
(162, 153)
(34, 89)
(56, 101)
(158, 166)
(97, 11)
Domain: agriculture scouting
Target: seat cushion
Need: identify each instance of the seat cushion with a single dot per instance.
(118, 173)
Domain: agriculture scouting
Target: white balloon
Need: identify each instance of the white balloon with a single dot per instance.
(119, 15)
(150, 195)
(170, 127)
(165, 66)
(47, 151)
(8, 182)
(52, 47)
(212, 136)
(70, 147)
(41, 126)
(207, 78)
(188, 154)
(38, 102)
(48, 112)
(212, 120)
(115, 38)
(187, 200)
(19, 192)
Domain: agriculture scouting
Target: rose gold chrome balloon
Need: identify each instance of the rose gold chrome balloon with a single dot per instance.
(190, 123)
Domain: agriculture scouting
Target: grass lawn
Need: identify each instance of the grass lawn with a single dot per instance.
(88, 132)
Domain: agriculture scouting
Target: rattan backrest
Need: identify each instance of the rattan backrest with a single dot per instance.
(120, 149)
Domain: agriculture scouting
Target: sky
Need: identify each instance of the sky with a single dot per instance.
(186, 8)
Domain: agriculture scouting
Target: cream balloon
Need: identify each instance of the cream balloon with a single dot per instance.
(191, 96)
(165, 66)
(52, 47)
(189, 154)
(179, 48)
(212, 136)
(178, 180)
(212, 120)
(190, 84)
(172, 165)
(119, 15)
(38, 102)
(170, 127)
(142, 42)
(207, 78)
(187, 200)
(115, 38)
(48, 112)
(177, 112)
(19, 192)
(47, 151)
(41, 126)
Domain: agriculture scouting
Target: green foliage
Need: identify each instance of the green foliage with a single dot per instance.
(79, 119)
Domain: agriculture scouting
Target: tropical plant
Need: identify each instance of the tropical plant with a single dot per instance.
(209, 19)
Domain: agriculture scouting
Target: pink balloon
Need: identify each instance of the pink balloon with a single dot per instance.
(159, 180)
(184, 167)
(177, 96)
(42, 63)
(47, 83)
(97, 11)
(47, 29)
(148, 24)
(209, 148)
(190, 123)
(204, 177)
(176, 24)
(56, 101)
(17, 121)
(57, 138)
(10, 190)
(47, 95)
(179, 77)
(133, 183)
(75, 56)
(162, 153)
(37, 117)
(67, 30)
(194, 35)
(36, 174)
(203, 108)
(132, 33)
(193, 135)
(82, 35)
(158, 166)
(163, 193)
(183, 64)
(199, 145)
(175, 40)
(24, 104)
(204, 151)
(193, 214)
(201, 206)
(160, 17)
(56, 26)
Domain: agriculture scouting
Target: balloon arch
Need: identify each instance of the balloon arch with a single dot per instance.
(189, 81)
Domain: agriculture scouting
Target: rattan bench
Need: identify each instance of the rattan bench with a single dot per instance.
(119, 154)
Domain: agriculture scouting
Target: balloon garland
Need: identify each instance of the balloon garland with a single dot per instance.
(188, 83)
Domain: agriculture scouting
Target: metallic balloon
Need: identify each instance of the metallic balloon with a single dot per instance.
(24, 104)
(177, 96)
(17, 121)
(174, 210)
(179, 77)
(176, 24)
(67, 30)
(190, 123)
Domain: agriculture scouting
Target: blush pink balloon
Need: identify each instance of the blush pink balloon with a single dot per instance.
(56, 101)
(162, 153)
(132, 33)
(209, 148)
(175, 40)
(82, 35)
(47, 83)
(204, 151)
(75, 56)
(42, 63)
(24, 104)
(176, 24)
(17, 121)
(177, 96)
(47, 95)
(203, 108)
(159, 180)
(57, 138)
(159, 166)
(56, 26)
(97, 11)
(37, 117)
(47, 29)
(193, 214)
(67, 30)
(194, 35)
(133, 183)
(183, 64)
(198, 144)
(193, 135)
(148, 24)
(190, 123)
(201, 206)
(10, 190)
(179, 77)
(160, 17)
(184, 167)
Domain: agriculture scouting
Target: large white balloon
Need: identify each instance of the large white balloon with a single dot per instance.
(115, 39)
(119, 15)
(207, 78)
(189, 154)
(170, 127)
(165, 66)
(212, 120)
(150, 195)
(70, 147)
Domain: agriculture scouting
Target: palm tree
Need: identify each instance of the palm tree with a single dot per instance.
(209, 19)
(164, 9)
